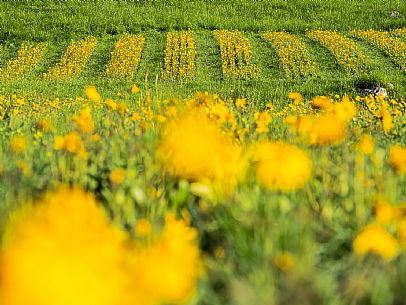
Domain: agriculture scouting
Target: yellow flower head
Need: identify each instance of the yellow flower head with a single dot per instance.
(19, 144)
(117, 176)
(366, 144)
(84, 121)
(194, 148)
(168, 269)
(375, 239)
(397, 159)
(320, 130)
(284, 261)
(134, 89)
(322, 102)
(92, 94)
(61, 245)
(282, 166)
(295, 97)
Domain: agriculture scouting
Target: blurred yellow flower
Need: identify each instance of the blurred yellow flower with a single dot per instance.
(366, 144)
(284, 261)
(117, 176)
(61, 245)
(72, 143)
(282, 166)
(134, 89)
(19, 144)
(397, 158)
(194, 148)
(143, 227)
(84, 121)
(375, 239)
(384, 212)
(322, 102)
(92, 94)
(295, 97)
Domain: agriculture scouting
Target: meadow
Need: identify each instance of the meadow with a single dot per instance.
(202, 152)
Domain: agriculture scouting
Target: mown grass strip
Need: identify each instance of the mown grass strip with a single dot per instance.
(344, 50)
(125, 56)
(180, 55)
(393, 47)
(29, 56)
(292, 53)
(73, 60)
(236, 54)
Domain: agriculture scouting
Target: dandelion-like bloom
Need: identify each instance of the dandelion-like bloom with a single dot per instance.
(194, 148)
(84, 120)
(397, 159)
(295, 97)
(282, 166)
(92, 94)
(320, 130)
(366, 144)
(375, 239)
(62, 251)
(167, 270)
(117, 176)
(19, 144)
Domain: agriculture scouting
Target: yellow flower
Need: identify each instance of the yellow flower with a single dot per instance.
(19, 144)
(282, 166)
(84, 120)
(384, 212)
(284, 261)
(366, 144)
(322, 102)
(111, 104)
(241, 103)
(71, 143)
(117, 176)
(194, 148)
(92, 94)
(374, 239)
(63, 244)
(387, 122)
(134, 89)
(22, 165)
(295, 97)
(397, 159)
(45, 125)
(167, 271)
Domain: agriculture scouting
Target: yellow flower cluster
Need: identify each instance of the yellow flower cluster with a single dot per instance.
(394, 47)
(292, 53)
(180, 55)
(399, 32)
(63, 250)
(329, 127)
(125, 57)
(397, 158)
(72, 143)
(27, 59)
(236, 54)
(376, 237)
(73, 60)
(344, 49)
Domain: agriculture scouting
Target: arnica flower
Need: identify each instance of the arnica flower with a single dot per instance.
(320, 130)
(345, 110)
(194, 148)
(295, 97)
(387, 122)
(71, 143)
(84, 121)
(168, 269)
(375, 239)
(384, 212)
(397, 159)
(117, 176)
(366, 144)
(322, 102)
(134, 89)
(63, 251)
(282, 166)
(92, 94)
(285, 261)
(19, 144)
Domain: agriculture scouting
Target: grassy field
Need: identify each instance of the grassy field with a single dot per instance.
(203, 166)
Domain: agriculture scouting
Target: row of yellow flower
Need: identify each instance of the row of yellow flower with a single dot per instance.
(180, 55)
(27, 59)
(344, 49)
(73, 60)
(394, 47)
(399, 32)
(236, 54)
(125, 57)
(292, 53)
